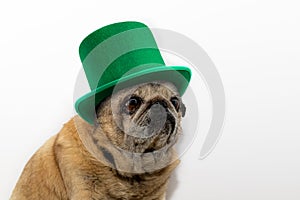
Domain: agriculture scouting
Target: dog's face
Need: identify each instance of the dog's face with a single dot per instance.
(143, 118)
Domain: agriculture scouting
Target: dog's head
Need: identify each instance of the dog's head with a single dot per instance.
(143, 118)
(136, 128)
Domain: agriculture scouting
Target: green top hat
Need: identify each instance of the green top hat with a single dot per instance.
(123, 54)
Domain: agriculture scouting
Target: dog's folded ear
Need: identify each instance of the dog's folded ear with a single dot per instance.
(182, 109)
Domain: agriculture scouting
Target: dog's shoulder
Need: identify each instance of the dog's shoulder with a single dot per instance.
(43, 172)
(39, 174)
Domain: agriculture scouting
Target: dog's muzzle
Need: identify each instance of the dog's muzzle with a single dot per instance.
(160, 120)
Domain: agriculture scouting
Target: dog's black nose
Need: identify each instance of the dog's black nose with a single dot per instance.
(158, 110)
(157, 116)
(159, 119)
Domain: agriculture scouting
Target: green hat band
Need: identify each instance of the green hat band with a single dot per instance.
(131, 62)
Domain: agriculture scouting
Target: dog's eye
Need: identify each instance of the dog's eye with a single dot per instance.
(133, 104)
(175, 102)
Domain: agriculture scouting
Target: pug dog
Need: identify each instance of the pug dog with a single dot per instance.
(128, 153)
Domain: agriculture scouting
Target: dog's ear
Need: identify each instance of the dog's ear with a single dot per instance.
(182, 109)
(96, 114)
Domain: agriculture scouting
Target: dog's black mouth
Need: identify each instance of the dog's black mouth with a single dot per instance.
(161, 135)
(149, 150)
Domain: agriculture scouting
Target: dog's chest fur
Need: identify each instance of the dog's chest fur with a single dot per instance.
(64, 169)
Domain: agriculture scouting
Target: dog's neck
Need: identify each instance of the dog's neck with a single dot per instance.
(125, 163)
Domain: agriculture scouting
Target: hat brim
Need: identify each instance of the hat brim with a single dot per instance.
(178, 75)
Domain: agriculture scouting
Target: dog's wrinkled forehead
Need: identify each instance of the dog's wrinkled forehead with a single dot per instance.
(148, 90)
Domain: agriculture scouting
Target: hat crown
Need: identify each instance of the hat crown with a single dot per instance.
(116, 50)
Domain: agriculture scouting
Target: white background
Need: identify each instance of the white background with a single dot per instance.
(255, 46)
